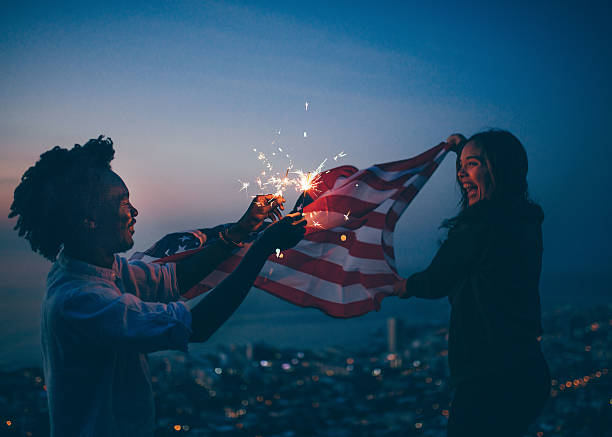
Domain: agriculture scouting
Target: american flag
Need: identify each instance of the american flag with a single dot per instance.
(345, 265)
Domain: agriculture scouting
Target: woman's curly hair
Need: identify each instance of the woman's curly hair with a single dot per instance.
(57, 194)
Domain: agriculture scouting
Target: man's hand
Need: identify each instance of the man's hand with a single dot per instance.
(222, 301)
(261, 208)
(285, 233)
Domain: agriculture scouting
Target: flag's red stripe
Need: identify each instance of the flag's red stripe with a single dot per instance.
(375, 219)
(407, 194)
(430, 169)
(300, 298)
(196, 290)
(392, 219)
(388, 251)
(342, 204)
(331, 272)
(380, 184)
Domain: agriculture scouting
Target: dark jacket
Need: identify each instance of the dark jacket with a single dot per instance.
(489, 268)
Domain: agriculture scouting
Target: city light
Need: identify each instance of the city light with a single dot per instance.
(274, 383)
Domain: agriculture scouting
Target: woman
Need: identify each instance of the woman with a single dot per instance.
(489, 268)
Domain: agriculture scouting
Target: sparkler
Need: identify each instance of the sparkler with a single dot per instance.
(308, 181)
(305, 182)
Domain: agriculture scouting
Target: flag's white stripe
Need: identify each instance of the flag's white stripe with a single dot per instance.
(364, 234)
(384, 207)
(387, 238)
(319, 287)
(399, 206)
(140, 256)
(419, 181)
(440, 156)
(367, 234)
(340, 256)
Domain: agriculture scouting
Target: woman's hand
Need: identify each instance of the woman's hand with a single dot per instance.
(399, 288)
(456, 141)
(285, 233)
(261, 208)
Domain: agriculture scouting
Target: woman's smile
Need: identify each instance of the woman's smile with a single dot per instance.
(474, 174)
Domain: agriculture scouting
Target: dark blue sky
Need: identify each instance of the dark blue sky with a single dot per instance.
(187, 89)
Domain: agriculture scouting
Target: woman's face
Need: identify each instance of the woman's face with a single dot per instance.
(473, 174)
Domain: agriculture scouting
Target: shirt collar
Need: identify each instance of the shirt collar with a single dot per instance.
(66, 262)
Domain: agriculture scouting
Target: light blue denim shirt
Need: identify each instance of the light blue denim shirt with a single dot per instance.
(97, 326)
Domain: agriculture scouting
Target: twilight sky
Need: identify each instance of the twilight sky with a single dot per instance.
(187, 89)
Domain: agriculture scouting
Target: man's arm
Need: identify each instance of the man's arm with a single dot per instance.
(103, 317)
(220, 303)
(196, 267)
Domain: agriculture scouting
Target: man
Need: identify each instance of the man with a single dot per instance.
(101, 314)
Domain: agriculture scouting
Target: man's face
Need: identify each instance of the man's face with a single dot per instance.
(114, 215)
